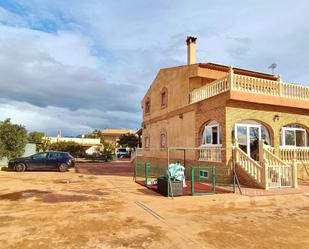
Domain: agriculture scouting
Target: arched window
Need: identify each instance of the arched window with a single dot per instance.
(164, 97)
(248, 134)
(147, 141)
(147, 106)
(294, 135)
(211, 134)
(163, 140)
(250, 125)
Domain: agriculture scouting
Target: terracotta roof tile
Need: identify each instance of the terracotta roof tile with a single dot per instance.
(240, 71)
(116, 131)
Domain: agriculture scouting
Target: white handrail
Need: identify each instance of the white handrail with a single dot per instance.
(295, 91)
(249, 165)
(256, 85)
(299, 154)
(249, 84)
(216, 87)
(279, 173)
(210, 154)
(271, 159)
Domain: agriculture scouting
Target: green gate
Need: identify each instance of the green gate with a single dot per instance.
(203, 180)
(147, 173)
(200, 180)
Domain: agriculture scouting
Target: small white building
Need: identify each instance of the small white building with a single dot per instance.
(93, 150)
(82, 141)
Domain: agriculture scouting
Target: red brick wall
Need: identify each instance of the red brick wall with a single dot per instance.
(245, 179)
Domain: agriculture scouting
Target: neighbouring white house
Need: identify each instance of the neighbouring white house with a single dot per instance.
(82, 141)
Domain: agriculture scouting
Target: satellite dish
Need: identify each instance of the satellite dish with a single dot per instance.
(272, 67)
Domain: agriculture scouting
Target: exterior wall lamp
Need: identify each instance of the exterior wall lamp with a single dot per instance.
(276, 117)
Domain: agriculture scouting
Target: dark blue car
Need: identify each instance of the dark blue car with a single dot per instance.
(51, 160)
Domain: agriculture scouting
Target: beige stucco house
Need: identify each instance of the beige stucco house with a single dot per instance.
(229, 116)
(113, 135)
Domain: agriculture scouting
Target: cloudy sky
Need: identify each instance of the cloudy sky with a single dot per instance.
(81, 65)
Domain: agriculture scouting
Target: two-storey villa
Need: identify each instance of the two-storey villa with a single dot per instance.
(230, 116)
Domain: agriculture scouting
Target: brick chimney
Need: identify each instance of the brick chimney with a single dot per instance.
(191, 50)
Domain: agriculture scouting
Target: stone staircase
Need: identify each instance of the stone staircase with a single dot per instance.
(269, 172)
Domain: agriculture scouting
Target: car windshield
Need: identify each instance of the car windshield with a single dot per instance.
(122, 150)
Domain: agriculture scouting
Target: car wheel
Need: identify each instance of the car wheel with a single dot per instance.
(63, 167)
(20, 167)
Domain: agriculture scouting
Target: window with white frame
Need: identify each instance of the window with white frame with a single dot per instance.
(204, 174)
(293, 136)
(211, 134)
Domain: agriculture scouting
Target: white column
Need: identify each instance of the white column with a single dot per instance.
(294, 173)
(230, 77)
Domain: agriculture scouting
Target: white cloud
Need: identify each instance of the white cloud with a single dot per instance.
(50, 119)
(56, 69)
(103, 55)
(65, 47)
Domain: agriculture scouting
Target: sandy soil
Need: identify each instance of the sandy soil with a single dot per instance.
(73, 210)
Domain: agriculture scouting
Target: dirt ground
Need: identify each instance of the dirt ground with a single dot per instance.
(103, 208)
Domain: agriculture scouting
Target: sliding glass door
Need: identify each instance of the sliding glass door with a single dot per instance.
(248, 136)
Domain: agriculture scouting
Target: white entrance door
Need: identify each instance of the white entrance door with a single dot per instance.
(248, 136)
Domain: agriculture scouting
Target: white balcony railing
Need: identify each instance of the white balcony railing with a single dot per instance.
(248, 84)
(209, 90)
(210, 154)
(255, 85)
(299, 154)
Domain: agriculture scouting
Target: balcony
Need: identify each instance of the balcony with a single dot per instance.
(251, 85)
(210, 154)
(300, 154)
